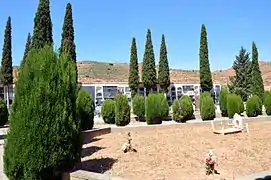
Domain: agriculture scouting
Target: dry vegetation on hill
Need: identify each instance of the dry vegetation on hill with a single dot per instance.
(102, 72)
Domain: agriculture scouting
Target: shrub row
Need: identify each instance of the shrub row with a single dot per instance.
(116, 112)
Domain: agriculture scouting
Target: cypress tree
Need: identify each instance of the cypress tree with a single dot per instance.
(67, 42)
(163, 72)
(27, 48)
(42, 33)
(206, 82)
(149, 78)
(44, 137)
(133, 70)
(256, 75)
(7, 70)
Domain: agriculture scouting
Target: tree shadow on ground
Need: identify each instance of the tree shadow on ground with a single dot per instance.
(87, 140)
(100, 165)
(268, 177)
(90, 150)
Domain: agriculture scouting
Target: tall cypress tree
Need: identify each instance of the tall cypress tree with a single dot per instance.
(6, 70)
(67, 42)
(206, 82)
(163, 72)
(256, 75)
(27, 48)
(133, 70)
(42, 33)
(149, 78)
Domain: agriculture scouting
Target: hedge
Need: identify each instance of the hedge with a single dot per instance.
(156, 108)
(176, 112)
(260, 105)
(108, 111)
(241, 107)
(252, 106)
(122, 110)
(164, 105)
(223, 101)
(207, 106)
(85, 108)
(186, 109)
(267, 103)
(233, 105)
(138, 104)
(43, 140)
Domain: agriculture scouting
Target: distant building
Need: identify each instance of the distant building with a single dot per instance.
(100, 92)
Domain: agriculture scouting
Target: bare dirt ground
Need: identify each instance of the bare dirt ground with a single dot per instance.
(177, 152)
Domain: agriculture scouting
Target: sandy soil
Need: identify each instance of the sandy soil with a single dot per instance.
(177, 152)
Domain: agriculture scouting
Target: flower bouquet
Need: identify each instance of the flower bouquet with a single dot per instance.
(210, 162)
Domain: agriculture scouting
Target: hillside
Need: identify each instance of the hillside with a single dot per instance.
(102, 72)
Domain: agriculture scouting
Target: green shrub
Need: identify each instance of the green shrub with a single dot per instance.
(122, 110)
(260, 105)
(241, 107)
(223, 101)
(138, 105)
(267, 103)
(44, 137)
(164, 108)
(3, 113)
(187, 109)
(85, 108)
(207, 106)
(233, 105)
(176, 112)
(108, 111)
(252, 106)
(153, 109)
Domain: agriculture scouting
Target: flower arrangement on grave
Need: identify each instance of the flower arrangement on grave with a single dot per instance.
(210, 162)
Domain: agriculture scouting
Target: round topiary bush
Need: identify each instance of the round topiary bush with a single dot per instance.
(44, 136)
(241, 107)
(153, 109)
(138, 104)
(85, 109)
(252, 106)
(3, 112)
(108, 111)
(122, 110)
(260, 105)
(267, 103)
(164, 107)
(233, 105)
(207, 106)
(223, 101)
(176, 111)
(187, 109)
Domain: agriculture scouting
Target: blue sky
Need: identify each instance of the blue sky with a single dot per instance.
(104, 28)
